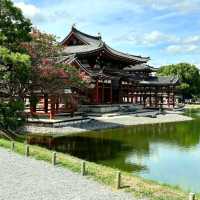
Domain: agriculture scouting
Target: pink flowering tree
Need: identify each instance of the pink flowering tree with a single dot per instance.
(47, 74)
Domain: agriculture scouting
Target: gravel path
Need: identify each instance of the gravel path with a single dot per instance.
(24, 178)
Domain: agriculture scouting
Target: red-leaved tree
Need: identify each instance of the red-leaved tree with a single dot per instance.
(48, 76)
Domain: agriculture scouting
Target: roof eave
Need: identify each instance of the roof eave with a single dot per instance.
(136, 59)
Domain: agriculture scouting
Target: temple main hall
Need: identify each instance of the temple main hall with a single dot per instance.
(115, 77)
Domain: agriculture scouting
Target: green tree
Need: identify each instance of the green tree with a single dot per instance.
(14, 27)
(15, 68)
(14, 78)
(188, 75)
(14, 73)
(19, 73)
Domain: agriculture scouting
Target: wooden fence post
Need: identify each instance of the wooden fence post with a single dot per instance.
(54, 158)
(27, 152)
(118, 180)
(191, 196)
(83, 168)
(12, 146)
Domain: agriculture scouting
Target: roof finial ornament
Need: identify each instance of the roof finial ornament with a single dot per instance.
(74, 25)
(99, 35)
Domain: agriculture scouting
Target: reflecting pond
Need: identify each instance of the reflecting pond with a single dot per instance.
(167, 153)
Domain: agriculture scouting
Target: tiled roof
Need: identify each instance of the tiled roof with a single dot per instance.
(129, 56)
(160, 80)
(93, 73)
(67, 59)
(139, 67)
(78, 49)
(94, 43)
(87, 38)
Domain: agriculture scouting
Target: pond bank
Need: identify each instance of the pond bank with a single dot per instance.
(109, 121)
(40, 180)
(136, 186)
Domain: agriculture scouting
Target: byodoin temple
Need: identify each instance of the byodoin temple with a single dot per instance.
(114, 78)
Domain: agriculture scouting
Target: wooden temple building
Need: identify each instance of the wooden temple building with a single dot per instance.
(114, 77)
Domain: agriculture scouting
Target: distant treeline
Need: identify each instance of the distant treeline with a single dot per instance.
(189, 77)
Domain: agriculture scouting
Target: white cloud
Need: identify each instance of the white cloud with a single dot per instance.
(192, 48)
(192, 39)
(89, 10)
(77, 11)
(153, 38)
(190, 44)
(29, 10)
(174, 49)
(135, 24)
(169, 43)
(188, 5)
(182, 48)
(183, 6)
(166, 16)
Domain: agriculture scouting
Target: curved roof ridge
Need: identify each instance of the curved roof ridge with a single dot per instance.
(83, 38)
(137, 67)
(126, 54)
(85, 34)
(94, 43)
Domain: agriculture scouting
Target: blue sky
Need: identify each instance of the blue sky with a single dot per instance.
(166, 30)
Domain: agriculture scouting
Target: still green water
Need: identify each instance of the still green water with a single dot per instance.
(167, 153)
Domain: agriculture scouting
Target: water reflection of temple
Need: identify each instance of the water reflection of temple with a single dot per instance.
(112, 147)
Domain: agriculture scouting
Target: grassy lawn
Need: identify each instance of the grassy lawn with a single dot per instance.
(192, 106)
(105, 175)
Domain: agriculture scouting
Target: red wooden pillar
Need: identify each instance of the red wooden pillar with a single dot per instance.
(52, 110)
(156, 100)
(173, 97)
(144, 98)
(132, 94)
(46, 103)
(150, 99)
(111, 92)
(156, 97)
(144, 101)
(57, 104)
(97, 92)
(173, 100)
(136, 98)
(32, 109)
(168, 100)
(120, 98)
(102, 92)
